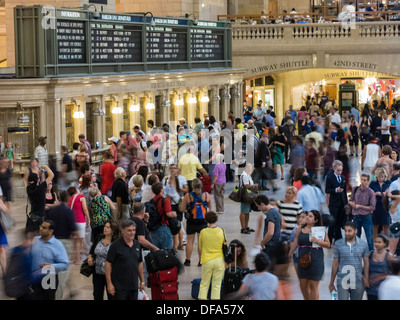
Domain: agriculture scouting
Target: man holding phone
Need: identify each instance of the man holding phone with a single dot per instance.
(335, 190)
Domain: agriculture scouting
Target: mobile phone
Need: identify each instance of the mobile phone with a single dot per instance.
(43, 170)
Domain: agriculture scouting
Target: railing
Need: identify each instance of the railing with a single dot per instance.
(317, 31)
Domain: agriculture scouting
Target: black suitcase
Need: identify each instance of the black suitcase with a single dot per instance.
(162, 259)
(233, 276)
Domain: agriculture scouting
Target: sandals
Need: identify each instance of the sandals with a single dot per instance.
(250, 230)
(245, 231)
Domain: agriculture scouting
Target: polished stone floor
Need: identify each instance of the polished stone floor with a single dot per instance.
(82, 286)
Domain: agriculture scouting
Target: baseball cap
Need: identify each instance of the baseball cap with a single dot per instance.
(113, 139)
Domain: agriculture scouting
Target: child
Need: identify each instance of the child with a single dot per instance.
(9, 154)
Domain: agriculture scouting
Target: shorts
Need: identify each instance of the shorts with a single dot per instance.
(192, 228)
(354, 141)
(81, 229)
(245, 207)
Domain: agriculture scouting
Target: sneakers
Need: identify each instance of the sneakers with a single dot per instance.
(187, 263)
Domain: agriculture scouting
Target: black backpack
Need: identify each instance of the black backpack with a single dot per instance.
(16, 281)
(155, 218)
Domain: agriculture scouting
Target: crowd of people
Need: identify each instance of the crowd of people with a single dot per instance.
(76, 213)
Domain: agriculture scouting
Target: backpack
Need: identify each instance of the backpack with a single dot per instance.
(155, 218)
(15, 280)
(197, 210)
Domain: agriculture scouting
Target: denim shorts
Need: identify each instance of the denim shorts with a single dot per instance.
(162, 237)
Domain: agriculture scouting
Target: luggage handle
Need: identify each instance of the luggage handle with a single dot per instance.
(235, 245)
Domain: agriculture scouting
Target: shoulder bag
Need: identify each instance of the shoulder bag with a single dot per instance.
(228, 256)
(7, 222)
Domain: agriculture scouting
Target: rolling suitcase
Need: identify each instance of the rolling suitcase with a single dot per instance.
(196, 289)
(164, 284)
(233, 276)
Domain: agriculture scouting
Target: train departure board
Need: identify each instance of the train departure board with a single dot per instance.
(70, 42)
(115, 43)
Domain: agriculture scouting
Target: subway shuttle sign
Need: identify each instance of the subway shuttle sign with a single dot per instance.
(288, 65)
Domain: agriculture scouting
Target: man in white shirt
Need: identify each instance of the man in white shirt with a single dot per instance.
(389, 289)
(335, 117)
(385, 129)
(41, 152)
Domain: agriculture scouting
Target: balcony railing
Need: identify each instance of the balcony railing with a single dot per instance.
(283, 32)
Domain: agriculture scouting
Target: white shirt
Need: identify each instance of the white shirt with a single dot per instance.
(42, 155)
(335, 118)
(385, 126)
(389, 289)
(245, 178)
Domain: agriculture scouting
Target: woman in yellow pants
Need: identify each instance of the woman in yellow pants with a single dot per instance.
(212, 258)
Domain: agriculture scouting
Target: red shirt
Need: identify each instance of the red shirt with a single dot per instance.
(163, 210)
(107, 176)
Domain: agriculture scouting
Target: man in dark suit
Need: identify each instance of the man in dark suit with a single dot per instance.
(335, 190)
(261, 159)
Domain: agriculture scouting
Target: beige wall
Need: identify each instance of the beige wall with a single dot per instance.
(10, 4)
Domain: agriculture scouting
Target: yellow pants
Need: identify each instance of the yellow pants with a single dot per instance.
(213, 269)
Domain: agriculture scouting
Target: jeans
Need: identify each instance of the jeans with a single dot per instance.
(352, 293)
(162, 237)
(366, 223)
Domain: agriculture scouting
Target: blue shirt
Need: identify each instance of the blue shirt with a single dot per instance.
(204, 148)
(270, 120)
(51, 251)
(274, 216)
(293, 114)
(356, 114)
(310, 198)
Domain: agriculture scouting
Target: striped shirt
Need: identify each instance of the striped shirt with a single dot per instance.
(350, 256)
(289, 211)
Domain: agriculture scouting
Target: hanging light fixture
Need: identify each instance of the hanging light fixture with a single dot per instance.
(179, 102)
(150, 105)
(78, 114)
(205, 98)
(117, 109)
(134, 106)
(22, 118)
(192, 99)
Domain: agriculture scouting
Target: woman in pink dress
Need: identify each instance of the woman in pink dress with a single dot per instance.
(77, 202)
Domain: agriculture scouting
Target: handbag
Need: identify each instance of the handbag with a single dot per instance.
(7, 222)
(248, 195)
(305, 260)
(86, 270)
(395, 228)
(235, 195)
(174, 225)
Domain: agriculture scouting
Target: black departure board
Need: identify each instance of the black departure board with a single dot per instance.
(71, 41)
(166, 44)
(115, 43)
(207, 44)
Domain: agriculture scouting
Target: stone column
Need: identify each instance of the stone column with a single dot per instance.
(215, 103)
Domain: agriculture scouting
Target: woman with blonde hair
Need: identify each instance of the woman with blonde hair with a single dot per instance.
(196, 203)
(380, 216)
(136, 191)
(82, 157)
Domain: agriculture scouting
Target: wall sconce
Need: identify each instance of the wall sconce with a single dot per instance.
(22, 118)
(117, 109)
(204, 98)
(134, 106)
(78, 114)
(216, 97)
(179, 102)
(192, 99)
(150, 105)
(152, 21)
